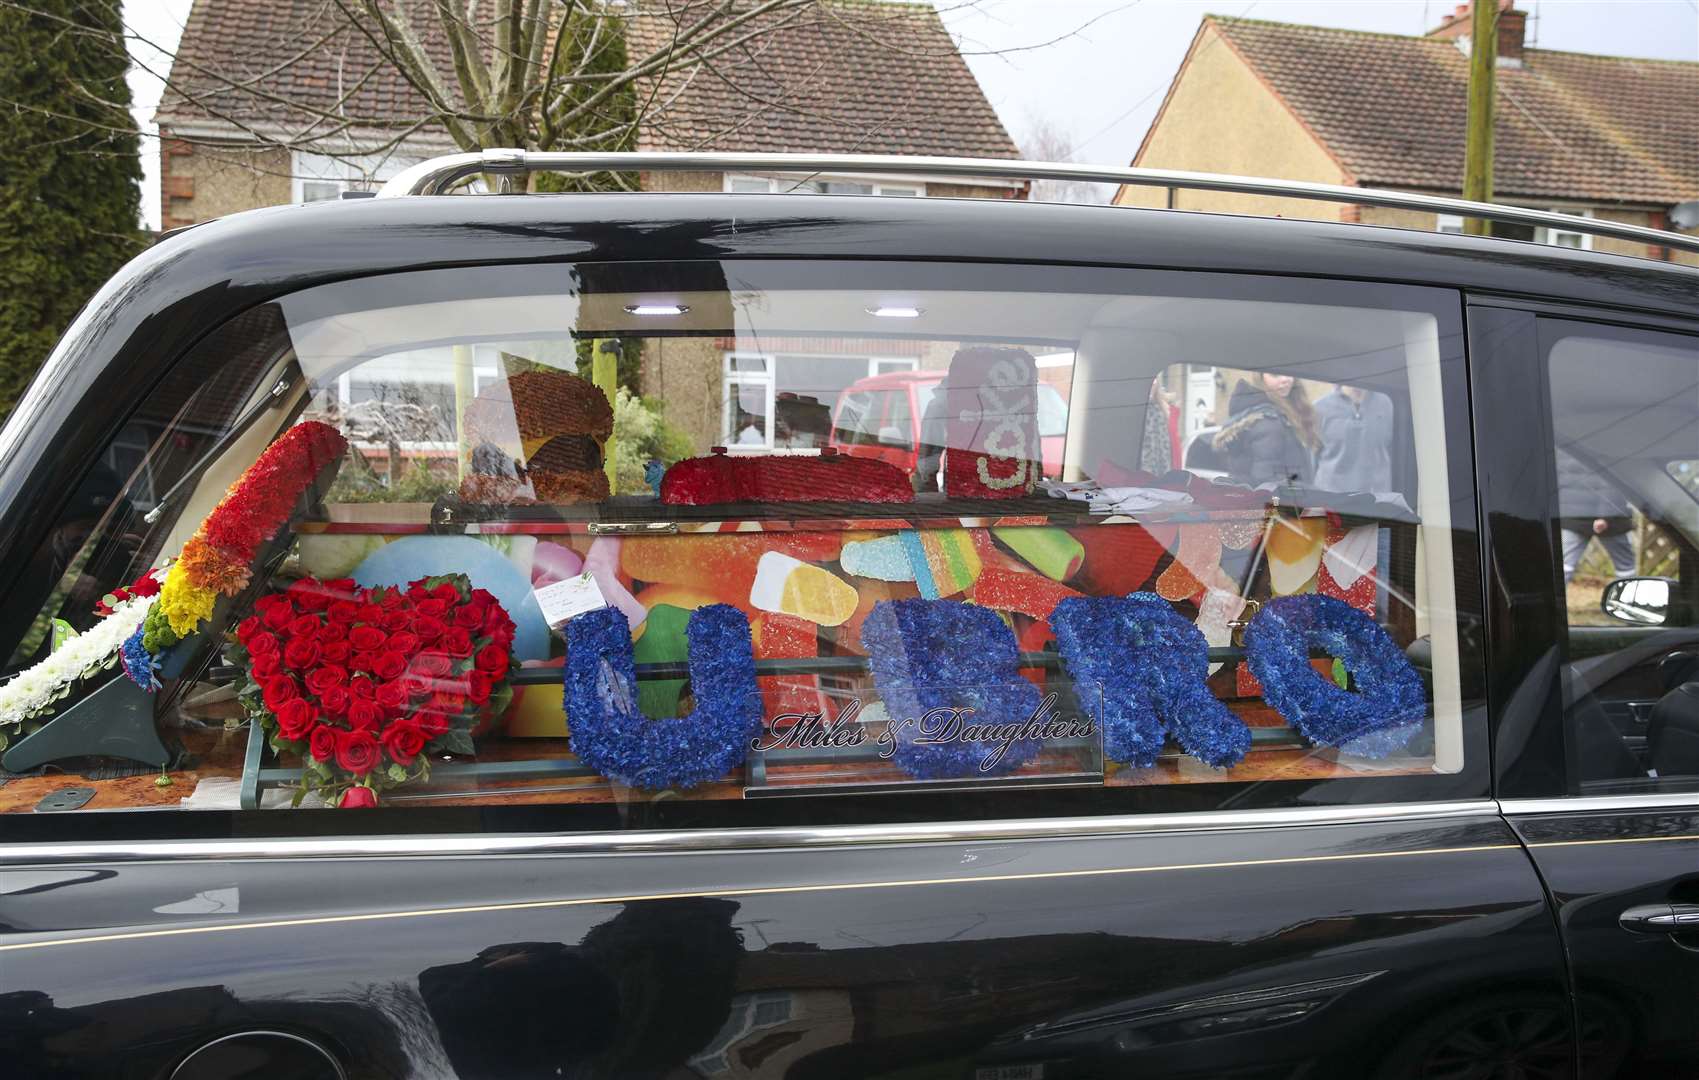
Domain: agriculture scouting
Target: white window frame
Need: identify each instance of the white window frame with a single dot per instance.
(1449, 223)
(354, 173)
(731, 380)
(1548, 235)
(895, 187)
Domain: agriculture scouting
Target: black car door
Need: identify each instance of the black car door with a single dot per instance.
(1600, 713)
(1340, 897)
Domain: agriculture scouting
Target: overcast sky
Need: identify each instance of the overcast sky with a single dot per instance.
(1096, 70)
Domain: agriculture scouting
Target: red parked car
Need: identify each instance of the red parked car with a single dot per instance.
(880, 417)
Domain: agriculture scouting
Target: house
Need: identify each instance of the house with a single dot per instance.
(1607, 137)
(273, 101)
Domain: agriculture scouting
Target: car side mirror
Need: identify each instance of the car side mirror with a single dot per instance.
(1643, 601)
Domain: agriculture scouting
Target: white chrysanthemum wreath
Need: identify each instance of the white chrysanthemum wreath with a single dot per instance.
(34, 690)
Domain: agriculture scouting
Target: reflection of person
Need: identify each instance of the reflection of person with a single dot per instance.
(1270, 431)
(1588, 507)
(1355, 426)
(1156, 451)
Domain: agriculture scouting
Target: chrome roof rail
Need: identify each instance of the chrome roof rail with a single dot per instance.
(440, 175)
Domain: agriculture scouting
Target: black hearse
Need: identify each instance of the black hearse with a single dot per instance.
(694, 739)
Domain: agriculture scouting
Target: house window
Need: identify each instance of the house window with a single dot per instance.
(817, 185)
(1568, 237)
(748, 401)
(1449, 223)
(322, 177)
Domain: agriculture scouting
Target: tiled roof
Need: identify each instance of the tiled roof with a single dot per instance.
(848, 75)
(1392, 110)
(860, 77)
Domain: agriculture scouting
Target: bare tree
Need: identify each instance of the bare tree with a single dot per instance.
(1043, 139)
(363, 80)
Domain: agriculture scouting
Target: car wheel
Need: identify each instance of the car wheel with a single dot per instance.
(1505, 1037)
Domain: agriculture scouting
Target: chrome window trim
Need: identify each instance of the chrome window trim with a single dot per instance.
(1597, 804)
(712, 840)
(288, 1036)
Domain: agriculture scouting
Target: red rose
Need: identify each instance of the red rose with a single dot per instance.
(367, 638)
(278, 691)
(247, 628)
(417, 685)
(492, 660)
(262, 645)
(432, 608)
(308, 594)
(478, 687)
(404, 642)
(322, 743)
(336, 652)
(403, 740)
(458, 643)
(397, 619)
(470, 617)
(390, 664)
(448, 592)
(484, 598)
(342, 588)
(502, 637)
(264, 667)
(330, 632)
(362, 689)
(417, 591)
(431, 724)
(370, 613)
(302, 653)
(363, 661)
(300, 626)
(393, 695)
(429, 628)
(264, 604)
(358, 797)
(392, 599)
(343, 611)
(323, 678)
(276, 618)
(364, 715)
(335, 700)
(435, 664)
(357, 752)
(296, 719)
(496, 617)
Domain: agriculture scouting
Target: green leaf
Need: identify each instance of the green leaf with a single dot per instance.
(501, 700)
(457, 741)
(1340, 675)
(396, 773)
(300, 793)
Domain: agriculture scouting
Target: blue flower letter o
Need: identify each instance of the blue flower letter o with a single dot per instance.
(1376, 720)
(1149, 665)
(610, 735)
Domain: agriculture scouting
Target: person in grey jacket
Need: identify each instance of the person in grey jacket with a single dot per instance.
(1589, 506)
(1355, 425)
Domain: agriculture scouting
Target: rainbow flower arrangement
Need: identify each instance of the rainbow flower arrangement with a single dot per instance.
(148, 616)
(218, 559)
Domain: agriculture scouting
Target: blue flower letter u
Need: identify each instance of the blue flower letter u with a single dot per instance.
(610, 735)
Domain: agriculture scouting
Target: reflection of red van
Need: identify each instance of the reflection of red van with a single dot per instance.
(880, 416)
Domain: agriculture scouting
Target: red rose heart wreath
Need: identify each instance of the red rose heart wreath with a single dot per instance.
(364, 684)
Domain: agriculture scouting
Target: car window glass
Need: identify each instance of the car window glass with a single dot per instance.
(677, 539)
(1625, 418)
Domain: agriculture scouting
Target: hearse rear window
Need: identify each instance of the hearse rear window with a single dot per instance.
(704, 534)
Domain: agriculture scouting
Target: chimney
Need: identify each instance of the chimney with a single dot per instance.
(1512, 24)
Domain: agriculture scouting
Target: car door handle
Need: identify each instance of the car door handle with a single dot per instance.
(1661, 919)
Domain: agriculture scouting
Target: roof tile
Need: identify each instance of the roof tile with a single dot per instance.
(1392, 109)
